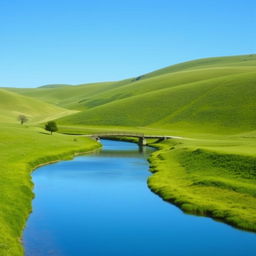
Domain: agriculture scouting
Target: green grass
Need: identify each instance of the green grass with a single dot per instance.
(13, 104)
(71, 97)
(218, 105)
(218, 98)
(206, 182)
(22, 149)
(215, 95)
(231, 61)
(164, 81)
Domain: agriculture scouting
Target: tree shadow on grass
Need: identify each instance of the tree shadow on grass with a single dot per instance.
(46, 133)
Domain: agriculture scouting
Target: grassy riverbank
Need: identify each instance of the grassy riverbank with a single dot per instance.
(202, 180)
(207, 175)
(22, 149)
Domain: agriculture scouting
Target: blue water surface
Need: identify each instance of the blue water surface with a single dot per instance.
(100, 205)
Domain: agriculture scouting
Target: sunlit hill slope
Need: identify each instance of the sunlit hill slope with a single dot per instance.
(214, 94)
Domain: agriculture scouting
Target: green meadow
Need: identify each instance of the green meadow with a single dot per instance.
(208, 178)
(210, 103)
(23, 148)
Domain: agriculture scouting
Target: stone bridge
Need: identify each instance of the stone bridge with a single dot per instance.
(142, 137)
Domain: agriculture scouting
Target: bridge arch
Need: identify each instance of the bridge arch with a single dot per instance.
(141, 136)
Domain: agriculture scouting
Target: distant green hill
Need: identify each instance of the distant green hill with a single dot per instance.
(68, 96)
(213, 104)
(219, 97)
(240, 61)
(54, 85)
(13, 104)
(213, 94)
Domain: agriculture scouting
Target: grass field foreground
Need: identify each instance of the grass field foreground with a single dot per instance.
(23, 148)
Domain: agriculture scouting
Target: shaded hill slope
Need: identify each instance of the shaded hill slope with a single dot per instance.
(82, 96)
(68, 96)
(221, 104)
(13, 104)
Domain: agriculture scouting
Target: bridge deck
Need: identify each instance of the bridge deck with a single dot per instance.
(128, 134)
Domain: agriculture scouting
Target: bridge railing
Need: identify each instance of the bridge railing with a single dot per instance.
(109, 134)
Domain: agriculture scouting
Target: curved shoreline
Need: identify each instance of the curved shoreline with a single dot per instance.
(187, 206)
(69, 155)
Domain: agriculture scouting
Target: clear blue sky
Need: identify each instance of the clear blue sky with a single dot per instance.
(78, 41)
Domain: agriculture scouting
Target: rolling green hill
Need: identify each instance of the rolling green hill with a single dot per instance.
(216, 104)
(68, 96)
(231, 61)
(216, 99)
(13, 104)
(214, 94)
(54, 85)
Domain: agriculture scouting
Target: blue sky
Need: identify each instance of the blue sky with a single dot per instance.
(79, 41)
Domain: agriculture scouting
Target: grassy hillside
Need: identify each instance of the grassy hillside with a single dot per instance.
(160, 82)
(54, 85)
(221, 105)
(23, 147)
(13, 104)
(71, 97)
(90, 95)
(214, 94)
(228, 61)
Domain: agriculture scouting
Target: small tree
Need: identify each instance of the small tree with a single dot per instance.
(22, 118)
(51, 126)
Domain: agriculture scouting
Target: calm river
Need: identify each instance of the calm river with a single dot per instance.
(99, 204)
